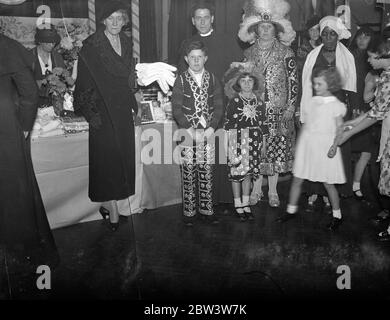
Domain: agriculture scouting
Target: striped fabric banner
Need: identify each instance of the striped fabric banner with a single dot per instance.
(91, 16)
(135, 29)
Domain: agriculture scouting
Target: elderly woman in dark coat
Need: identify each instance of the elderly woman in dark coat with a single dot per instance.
(23, 221)
(103, 95)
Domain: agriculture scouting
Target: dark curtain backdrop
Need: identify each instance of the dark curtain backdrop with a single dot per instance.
(148, 31)
(227, 19)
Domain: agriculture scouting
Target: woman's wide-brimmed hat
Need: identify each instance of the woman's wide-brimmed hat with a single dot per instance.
(266, 11)
(109, 8)
(49, 35)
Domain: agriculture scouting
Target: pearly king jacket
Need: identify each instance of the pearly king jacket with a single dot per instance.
(194, 106)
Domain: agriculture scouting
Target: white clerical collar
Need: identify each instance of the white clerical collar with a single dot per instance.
(206, 34)
(197, 76)
(45, 67)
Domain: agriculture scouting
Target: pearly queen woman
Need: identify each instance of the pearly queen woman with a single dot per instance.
(272, 60)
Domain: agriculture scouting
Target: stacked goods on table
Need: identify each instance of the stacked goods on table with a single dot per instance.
(74, 124)
(48, 124)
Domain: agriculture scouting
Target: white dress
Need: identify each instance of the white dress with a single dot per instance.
(315, 139)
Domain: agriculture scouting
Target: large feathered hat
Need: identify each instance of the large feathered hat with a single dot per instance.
(271, 11)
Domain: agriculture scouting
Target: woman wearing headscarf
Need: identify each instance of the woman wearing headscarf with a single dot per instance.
(272, 61)
(331, 53)
(45, 59)
(103, 94)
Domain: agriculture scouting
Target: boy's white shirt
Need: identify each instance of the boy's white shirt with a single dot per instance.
(197, 76)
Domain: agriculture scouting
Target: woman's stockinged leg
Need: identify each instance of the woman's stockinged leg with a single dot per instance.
(114, 212)
(272, 184)
(359, 170)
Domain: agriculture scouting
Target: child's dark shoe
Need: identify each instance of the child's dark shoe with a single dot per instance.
(285, 217)
(248, 212)
(211, 219)
(240, 213)
(334, 224)
(189, 221)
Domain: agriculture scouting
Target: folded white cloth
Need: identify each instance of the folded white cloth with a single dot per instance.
(161, 72)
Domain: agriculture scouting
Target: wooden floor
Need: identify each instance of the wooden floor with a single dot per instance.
(153, 256)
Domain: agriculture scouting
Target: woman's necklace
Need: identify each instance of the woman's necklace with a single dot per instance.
(115, 42)
(248, 98)
(250, 107)
(330, 56)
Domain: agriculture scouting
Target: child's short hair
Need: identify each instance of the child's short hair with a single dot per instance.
(332, 78)
(243, 75)
(195, 45)
(203, 4)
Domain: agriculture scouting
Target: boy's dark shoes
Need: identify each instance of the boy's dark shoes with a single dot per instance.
(189, 221)
(211, 219)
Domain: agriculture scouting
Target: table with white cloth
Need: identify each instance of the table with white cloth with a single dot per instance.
(61, 167)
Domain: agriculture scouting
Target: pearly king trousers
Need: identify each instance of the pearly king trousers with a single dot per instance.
(197, 178)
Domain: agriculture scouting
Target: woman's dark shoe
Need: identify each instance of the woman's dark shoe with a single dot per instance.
(334, 224)
(114, 226)
(240, 213)
(104, 212)
(357, 194)
(285, 217)
(383, 236)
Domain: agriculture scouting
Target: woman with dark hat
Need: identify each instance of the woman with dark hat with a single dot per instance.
(45, 58)
(103, 94)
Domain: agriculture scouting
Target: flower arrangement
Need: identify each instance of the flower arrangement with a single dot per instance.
(71, 43)
(58, 83)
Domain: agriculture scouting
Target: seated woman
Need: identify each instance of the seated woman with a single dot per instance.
(45, 59)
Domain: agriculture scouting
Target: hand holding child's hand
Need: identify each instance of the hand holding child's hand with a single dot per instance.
(332, 151)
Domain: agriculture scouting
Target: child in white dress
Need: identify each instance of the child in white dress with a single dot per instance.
(317, 157)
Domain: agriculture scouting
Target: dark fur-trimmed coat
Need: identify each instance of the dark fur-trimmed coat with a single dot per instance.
(104, 96)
